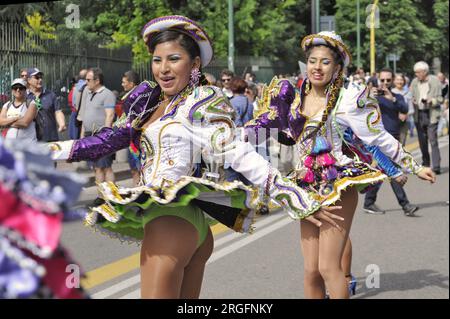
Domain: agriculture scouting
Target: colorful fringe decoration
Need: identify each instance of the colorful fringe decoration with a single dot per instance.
(134, 151)
(320, 163)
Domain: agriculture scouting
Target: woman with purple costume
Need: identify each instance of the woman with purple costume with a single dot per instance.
(184, 132)
(316, 119)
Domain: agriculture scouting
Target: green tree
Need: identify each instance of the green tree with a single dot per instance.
(407, 28)
(440, 10)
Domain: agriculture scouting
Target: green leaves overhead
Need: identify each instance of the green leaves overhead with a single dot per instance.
(407, 27)
(414, 29)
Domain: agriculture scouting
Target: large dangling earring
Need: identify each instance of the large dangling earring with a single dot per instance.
(195, 77)
(307, 87)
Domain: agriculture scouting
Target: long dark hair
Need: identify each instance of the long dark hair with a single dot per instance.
(334, 89)
(184, 40)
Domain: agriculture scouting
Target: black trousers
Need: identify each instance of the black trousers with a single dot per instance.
(371, 195)
(427, 133)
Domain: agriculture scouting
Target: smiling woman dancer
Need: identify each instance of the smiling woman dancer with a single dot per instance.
(316, 121)
(184, 131)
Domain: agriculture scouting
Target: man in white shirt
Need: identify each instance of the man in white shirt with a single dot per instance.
(426, 91)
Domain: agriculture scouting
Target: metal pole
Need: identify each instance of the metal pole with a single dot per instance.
(313, 16)
(358, 36)
(230, 36)
(11, 73)
(372, 37)
(395, 63)
(317, 16)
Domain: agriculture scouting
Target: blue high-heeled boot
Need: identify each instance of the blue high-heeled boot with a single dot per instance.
(351, 285)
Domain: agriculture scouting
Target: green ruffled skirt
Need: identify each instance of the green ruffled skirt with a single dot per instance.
(126, 211)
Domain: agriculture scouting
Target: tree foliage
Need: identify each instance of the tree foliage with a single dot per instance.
(414, 29)
(407, 27)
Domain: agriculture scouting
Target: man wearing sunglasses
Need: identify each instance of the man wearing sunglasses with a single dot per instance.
(24, 75)
(50, 119)
(391, 104)
(225, 77)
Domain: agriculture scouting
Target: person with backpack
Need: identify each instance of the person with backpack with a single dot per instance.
(17, 115)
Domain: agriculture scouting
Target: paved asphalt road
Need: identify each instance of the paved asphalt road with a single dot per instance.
(411, 253)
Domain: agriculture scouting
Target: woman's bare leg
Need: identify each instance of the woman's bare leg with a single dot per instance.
(331, 246)
(312, 280)
(167, 248)
(193, 273)
(346, 262)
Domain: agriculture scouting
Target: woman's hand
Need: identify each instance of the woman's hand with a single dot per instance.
(324, 213)
(427, 174)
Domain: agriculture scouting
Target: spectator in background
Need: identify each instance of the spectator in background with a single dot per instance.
(446, 111)
(250, 77)
(391, 104)
(73, 128)
(130, 80)
(367, 77)
(118, 107)
(444, 81)
(24, 76)
(77, 99)
(99, 112)
(442, 122)
(50, 119)
(240, 103)
(210, 78)
(17, 116)
(362, 74)
(260, 87)
(426, 91)
(356, 78)
(299, 83)
(373, 81)
(225, 77)
(405, 119)
(251, 92)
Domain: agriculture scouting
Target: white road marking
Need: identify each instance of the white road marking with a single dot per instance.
(231, 248)
(278, 220)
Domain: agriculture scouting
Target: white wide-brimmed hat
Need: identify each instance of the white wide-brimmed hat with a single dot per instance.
(184, 25)
(329, 38)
